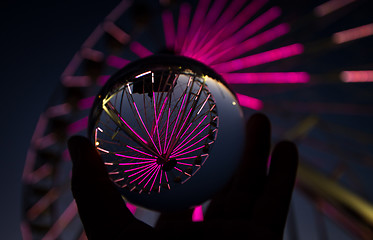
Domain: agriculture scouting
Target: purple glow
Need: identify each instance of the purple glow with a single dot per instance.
(250, 44)
(242, 34)
(175, 151)
(132, 157)
(140, 50)
(116, 62)
(77, 126)
(197, 215)
(249, 102)
(169, 28)
(102, 80)
(260, 58)
(267, 77)
(178, 146)
(136, 163)
(86, 103)
(183, 24)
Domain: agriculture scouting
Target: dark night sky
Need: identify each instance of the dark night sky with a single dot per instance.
(38, 39)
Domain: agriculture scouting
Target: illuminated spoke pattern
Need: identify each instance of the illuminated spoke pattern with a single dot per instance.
(166, 124)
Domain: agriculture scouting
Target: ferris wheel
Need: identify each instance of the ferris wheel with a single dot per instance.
(307, 65)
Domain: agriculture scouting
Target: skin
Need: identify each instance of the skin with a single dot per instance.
(254, 204)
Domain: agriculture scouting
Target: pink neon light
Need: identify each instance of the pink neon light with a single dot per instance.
(140, 50)
(136, 168)
(77, 126)
(131, 207)
(134, 149)
(357, 76)
(183, 24)
(250, 44)
(260, 58)
(176, 150)
(197, 215)
(198, 18)
(147, 169)
(86, 103)
(156, 175)
(353, 34)
(185, 158)
(178, 146)
(169, 28)
(143, 124)
(330, 6)
(180, 154)
(266, 77)
(116, 62)
(132, 157)
(146, 172)
(249, 102)
(135, 163)
(132, 130)
(244, 33)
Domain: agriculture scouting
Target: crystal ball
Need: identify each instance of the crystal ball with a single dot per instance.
(169, 130)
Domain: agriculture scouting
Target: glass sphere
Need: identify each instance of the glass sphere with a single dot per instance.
(169, 131)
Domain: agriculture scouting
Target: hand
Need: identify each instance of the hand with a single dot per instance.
(254, 204)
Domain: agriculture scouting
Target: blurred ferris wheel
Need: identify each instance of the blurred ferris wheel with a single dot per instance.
(306, 64)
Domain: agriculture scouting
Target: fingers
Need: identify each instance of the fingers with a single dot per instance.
(236, 200)
(101, 208)
(272, 208)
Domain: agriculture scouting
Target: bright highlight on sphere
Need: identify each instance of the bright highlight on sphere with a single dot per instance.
(169, 131)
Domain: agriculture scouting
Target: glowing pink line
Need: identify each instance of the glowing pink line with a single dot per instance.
(77, 126)
(135, 163)
(185, 120)
(169, 28)
(148, 166)
(353, 34)
(137, 168)
(197, 215)
(147, 172)
(175, 150)
(176, 122)
(357, 76)
(132, 130)
(266, 77)
(244, 33)
(249, 102)
(260, 58)
(116, 62)
(207, 24)
(139, 151)
(132, 157)
(178, 169)
(143, 124)
(187, 164)
(158, 170)
(185, 158)
(140, 50)
(167, 123)
(191, 132)
(187, 152)
(250, 44)
(233, 25)
(155, 171)
(175, 153)
(183, 24)
(191, 39)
